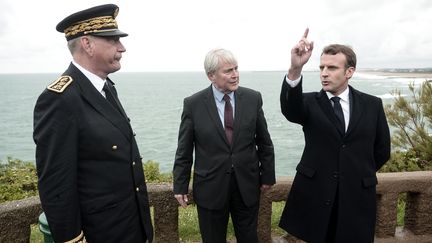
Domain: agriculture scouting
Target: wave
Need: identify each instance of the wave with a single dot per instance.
(390, 96)
(369, 76)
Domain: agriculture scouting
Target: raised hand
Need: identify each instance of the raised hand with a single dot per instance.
(300, 55)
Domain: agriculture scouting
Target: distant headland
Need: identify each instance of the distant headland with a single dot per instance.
(400, 72)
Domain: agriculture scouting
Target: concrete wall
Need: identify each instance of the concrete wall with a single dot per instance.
(17, 216)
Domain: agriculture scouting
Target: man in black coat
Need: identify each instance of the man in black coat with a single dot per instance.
(333, 196)
(234, 154)
(91, 180)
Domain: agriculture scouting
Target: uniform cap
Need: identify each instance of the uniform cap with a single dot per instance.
(97, 21)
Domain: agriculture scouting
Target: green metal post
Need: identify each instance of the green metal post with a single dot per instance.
(44, 228)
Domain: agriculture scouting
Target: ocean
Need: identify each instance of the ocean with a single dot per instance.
(154, 100)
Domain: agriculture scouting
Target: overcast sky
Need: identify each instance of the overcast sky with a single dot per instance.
(175, 35)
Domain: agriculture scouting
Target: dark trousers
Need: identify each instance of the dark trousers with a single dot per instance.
(213, 223)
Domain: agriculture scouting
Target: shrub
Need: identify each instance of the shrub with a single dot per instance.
(18, 180)
(153, 174)
(411, 119)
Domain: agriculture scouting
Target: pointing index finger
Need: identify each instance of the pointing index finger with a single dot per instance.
(306, 33)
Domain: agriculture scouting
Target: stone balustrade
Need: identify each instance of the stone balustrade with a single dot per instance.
(17, 216)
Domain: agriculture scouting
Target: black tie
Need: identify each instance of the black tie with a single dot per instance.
(109, 96)
(339, 113)
(228, 118)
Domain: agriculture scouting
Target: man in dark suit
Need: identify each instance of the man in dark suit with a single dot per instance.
(234, 154)
(91, 180)
(333, 197)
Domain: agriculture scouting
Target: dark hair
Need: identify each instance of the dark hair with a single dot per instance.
(334, 49)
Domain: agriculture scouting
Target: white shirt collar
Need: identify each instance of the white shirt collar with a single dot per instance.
(219, 95)
(97, 82)
(344, 95)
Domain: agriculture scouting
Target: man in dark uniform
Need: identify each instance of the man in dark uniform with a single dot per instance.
(91, 182)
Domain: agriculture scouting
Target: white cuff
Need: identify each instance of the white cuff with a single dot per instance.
(293, 83)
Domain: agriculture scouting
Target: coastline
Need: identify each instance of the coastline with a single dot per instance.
(400, 74)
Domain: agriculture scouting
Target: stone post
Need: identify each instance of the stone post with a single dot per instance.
(418, 213)
(264, 218)
(386, 214)
(165, 208)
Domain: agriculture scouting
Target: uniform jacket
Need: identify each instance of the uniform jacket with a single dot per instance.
(334, 161)
(89, 167)
(251, 155)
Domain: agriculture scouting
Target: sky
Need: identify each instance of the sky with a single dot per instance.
(175, 35)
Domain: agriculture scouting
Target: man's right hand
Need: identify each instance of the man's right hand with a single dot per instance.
(300, 55)
(182, 199)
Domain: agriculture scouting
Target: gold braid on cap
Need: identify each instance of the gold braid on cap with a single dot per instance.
(93, 25)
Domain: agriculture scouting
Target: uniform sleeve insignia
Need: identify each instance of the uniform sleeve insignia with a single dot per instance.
(60, 84)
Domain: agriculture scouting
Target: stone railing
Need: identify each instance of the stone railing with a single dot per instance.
(17, 216)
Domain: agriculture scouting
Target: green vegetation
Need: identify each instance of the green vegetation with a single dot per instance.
(153, 174)
(411, 119)
(36, 236)
(401, 209)
(18, 180)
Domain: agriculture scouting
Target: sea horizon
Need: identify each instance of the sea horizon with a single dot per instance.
(383, 71)
(154, 100)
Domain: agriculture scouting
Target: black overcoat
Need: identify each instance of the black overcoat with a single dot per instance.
(334, 161)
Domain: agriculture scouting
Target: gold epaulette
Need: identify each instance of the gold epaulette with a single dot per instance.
(60, 84)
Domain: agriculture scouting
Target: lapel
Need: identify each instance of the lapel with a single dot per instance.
(210, 104)
(356, 104)
(95, 99)
(327, 108)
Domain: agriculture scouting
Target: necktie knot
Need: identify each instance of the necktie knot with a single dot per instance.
(226, 98)
(106, 89)
(335, 99)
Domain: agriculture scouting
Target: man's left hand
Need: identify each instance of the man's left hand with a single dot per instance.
(265, 188)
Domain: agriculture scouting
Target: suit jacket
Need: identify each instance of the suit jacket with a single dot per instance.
(335, 161)
(89, 167)
(251, 154)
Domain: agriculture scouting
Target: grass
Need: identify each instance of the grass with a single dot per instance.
(189, 228)
(36, 236)
(401, 209)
